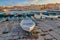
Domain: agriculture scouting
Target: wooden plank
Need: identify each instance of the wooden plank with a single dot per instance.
(48, 37)
(54, 35)
(40, 38)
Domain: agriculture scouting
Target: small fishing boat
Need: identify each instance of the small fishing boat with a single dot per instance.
(27, 24)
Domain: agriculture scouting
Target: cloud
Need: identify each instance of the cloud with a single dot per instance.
(35, 1)
(32, 1)
(48, 1)
(26, 2)
(18, 4)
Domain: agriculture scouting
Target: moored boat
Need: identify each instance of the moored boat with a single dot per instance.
(27, 24)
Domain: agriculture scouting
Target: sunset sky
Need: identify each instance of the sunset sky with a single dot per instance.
(26, 2)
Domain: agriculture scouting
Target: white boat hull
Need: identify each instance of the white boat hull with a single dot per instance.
(44, 16)
(27, 25)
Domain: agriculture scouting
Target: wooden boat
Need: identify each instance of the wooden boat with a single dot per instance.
(27, 24)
